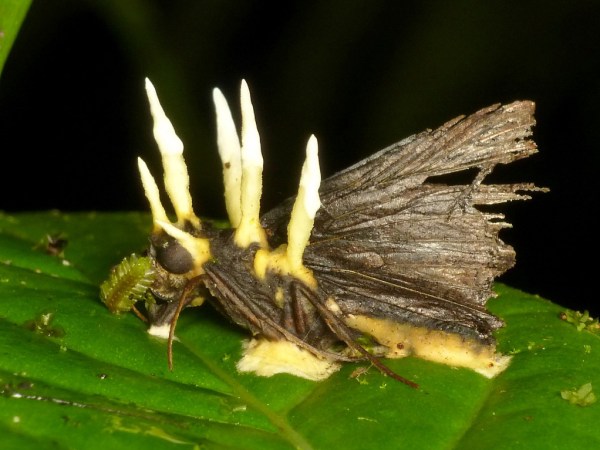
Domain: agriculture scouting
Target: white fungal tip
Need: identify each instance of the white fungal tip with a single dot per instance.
(148, 84)
(249, 229)
(227, 137)
(251, 153)
(171, 149)
(310, 179)
(151, 191)
(164, 133)
(230, 152)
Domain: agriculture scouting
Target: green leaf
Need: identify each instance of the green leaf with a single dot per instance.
(102, 381)
(12, 14)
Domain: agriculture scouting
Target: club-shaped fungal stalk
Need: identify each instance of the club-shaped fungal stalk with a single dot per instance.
(171, 150)
(230, 152)
(287, 258)
(305, 208)
(250, 231)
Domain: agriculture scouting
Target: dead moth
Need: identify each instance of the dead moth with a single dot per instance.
(376, 261)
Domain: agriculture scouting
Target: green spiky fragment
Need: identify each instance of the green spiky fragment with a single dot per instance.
(583, 396)
(581, 320)
(127, 284)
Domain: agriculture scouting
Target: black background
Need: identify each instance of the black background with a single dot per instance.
(359, 74)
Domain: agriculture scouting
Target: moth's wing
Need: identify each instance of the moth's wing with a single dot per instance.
(388, 243)
(497, 134)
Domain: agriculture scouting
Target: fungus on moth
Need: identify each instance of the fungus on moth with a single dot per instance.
(378, 253)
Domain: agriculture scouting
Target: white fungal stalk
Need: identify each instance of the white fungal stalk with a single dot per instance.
(152, 194)
(242, 168)
(230, 152)
(305, 207)
(242, 172)
(171, 150)
(249, 230)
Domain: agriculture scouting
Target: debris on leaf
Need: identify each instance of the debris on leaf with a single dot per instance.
(581, 320)
(53, 244)
(583, 396)
(43, 325)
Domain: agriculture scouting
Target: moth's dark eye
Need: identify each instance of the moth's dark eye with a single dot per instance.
(170, 254)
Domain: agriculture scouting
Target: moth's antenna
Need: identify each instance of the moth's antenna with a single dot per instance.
(171, 149)
(184, 300)
(230, 152)
(152, 194)
(305, 207)
(250, 230)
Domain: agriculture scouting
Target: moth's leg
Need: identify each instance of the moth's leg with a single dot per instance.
(295, 316)
(229, 293)
(287, 316)
(139, 314)
(299, 314)
(237, 304)
(342, 331)
(161, 313)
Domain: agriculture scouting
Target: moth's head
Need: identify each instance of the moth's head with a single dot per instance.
(170, 254)
(181, 247)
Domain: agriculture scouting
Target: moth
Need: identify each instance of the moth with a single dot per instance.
(380, 260)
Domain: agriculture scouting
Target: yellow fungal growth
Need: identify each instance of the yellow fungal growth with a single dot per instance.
(171, 150)
(434, 345)
(267, 358)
